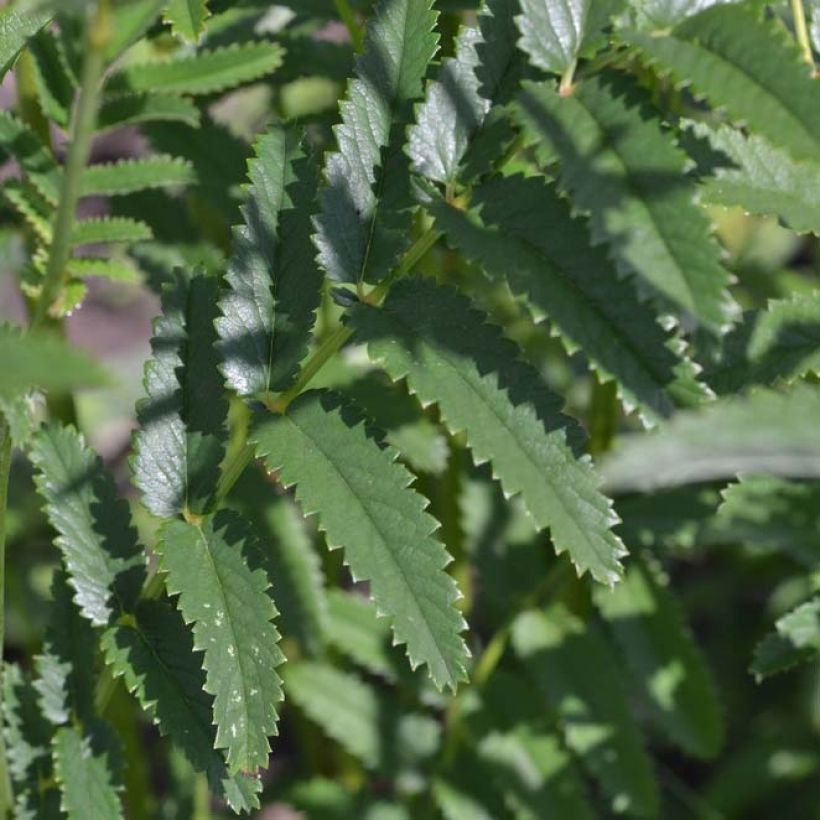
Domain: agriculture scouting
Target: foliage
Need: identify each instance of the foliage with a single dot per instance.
(476, 467)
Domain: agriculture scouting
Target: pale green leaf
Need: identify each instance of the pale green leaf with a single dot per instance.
(657, 15)
(16, 27)
(39, 360)
(105, 564)
(155, 657)
(668, 668)
(209, 566)
(451, 356)
(187, 18)
(365, 214)
(207, 72)
(749, 67)
(85, 768)
(364, 503)
(129, 175)
(273, 284)
(131, 109)
(629, 176)
(181, 440)
(130, 19)
(526, 236)
(109, 229)
(571, 665)
(52, 77)
(766, 432)
(36, 161)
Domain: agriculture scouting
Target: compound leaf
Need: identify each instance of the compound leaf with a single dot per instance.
(209, 566)
(109, 229)
(365, 505)
(273, 282)
(449, 355)
(105, 564)
(129, 175)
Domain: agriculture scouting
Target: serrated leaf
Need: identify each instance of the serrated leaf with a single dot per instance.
(500, 64)
(118, 270)
(109, 229)
(206, 72)
(658, 15)
(36, 161)
(629, 176)
(85, 768)
(451, 113)
(365, 214)
(181, 441)
(766, 433)
(342, 475)
(795, 640)
(155, 657)
(40, 360)
(449, 355)
(668, 668)
(209, 566)
(187, 18)
(570, 664)
(65, 668)
(32, 207)
(131, 109)
(52, 76)
(554, 33)
(105, 564)
(748, 67)
(273, 281)
(290, 559)
(358, 717)
(354, 628)
(130, 19)
(779, 344)
(129, 175)
(16, 27)
(526, 237)
(761, 179)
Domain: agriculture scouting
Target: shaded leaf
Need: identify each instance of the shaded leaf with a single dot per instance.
(796, 639)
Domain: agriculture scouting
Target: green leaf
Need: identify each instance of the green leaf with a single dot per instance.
(181, 441)
(65, 668)
(658, 15)
(629, 176)
(129, 175)
(761, 179)
(130, 19)
(273, 282)
(40, 360)
(187, 18)
(766, 432)
(105, 564)
(554, 33)
(449, 355)
(131, 109)
(85, 769)
(354, 628)
(365, 214)
(668, 668)
(349, 481)
(358, 717)
(155, 657)
(17, 25)
(35, 159)
(748, 67)
(34, 209)
(527, 237)
(500, 64)
(779, 344)
(451, 113)
(206, 72)
(796, 639)
(290, 559)
(109, 229)
(118, 270)
(209, 566)
(571, 665)
(52, 76)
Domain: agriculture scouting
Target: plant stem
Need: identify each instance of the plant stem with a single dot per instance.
(801, 31)
(5, 470)
(82, 130)
(347, 16)
(603, 417)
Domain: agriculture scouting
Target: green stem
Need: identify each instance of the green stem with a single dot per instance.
(6, 797)
(801, 31)
(347, 16)
(82, 130)
(603, 417)
(202, 798)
